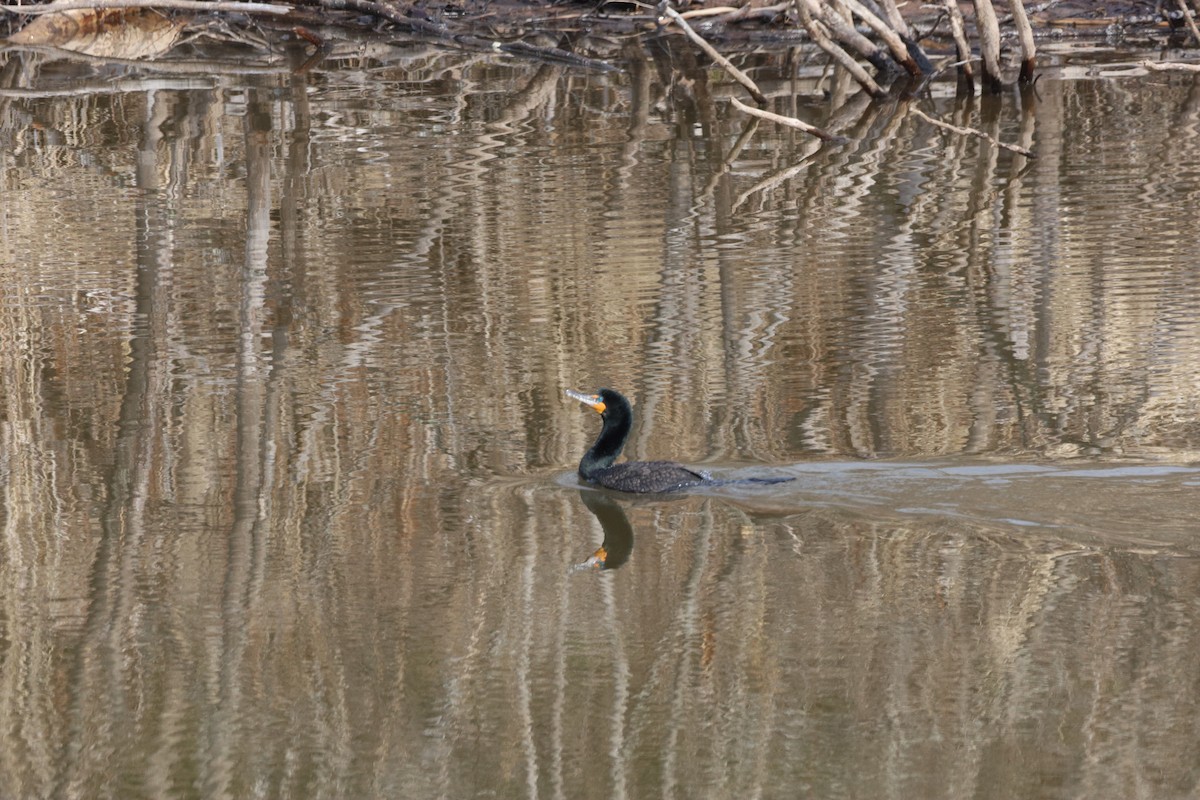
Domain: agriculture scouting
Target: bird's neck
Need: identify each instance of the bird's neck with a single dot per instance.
(608, 444)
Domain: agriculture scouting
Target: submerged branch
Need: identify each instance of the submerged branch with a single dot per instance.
(972, 132)
(791, 122)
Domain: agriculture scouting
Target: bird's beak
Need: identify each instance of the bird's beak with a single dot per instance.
(591, 400)
(596, 561)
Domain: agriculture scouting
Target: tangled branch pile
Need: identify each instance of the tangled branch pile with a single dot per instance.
(888, 36)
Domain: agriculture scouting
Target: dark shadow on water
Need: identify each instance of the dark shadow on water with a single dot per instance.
(614, 551)
(617, 546)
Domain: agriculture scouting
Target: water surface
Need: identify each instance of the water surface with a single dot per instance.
(289, 505)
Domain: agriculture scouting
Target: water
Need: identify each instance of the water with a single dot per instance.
(289, 500)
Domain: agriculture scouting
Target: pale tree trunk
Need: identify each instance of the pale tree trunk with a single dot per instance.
(988, 29)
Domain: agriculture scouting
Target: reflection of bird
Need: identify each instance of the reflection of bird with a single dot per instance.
(618, 533)
(641, 477)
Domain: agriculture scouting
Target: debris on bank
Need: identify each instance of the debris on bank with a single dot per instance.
(986, 44)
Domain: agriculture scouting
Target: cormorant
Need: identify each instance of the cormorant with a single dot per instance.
(640, 477)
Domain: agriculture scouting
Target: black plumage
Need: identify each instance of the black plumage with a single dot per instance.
(639, 477)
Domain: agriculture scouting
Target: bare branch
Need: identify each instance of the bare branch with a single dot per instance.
(1169, 66)
(888, 34)
(805, 9)
(842, 29)
(1191, 22)
(714, 11)
(719, 59)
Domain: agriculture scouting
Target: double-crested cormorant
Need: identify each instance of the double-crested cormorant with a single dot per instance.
(632, 476)
(640, 477)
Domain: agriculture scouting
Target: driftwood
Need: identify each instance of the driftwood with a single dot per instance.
(1169, 66)
(907, 35)
(728, 14)
(442, 32)
(713, 11)
(895, 19)
(874, 31)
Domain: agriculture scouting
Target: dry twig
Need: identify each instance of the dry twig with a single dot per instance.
(713, 11)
